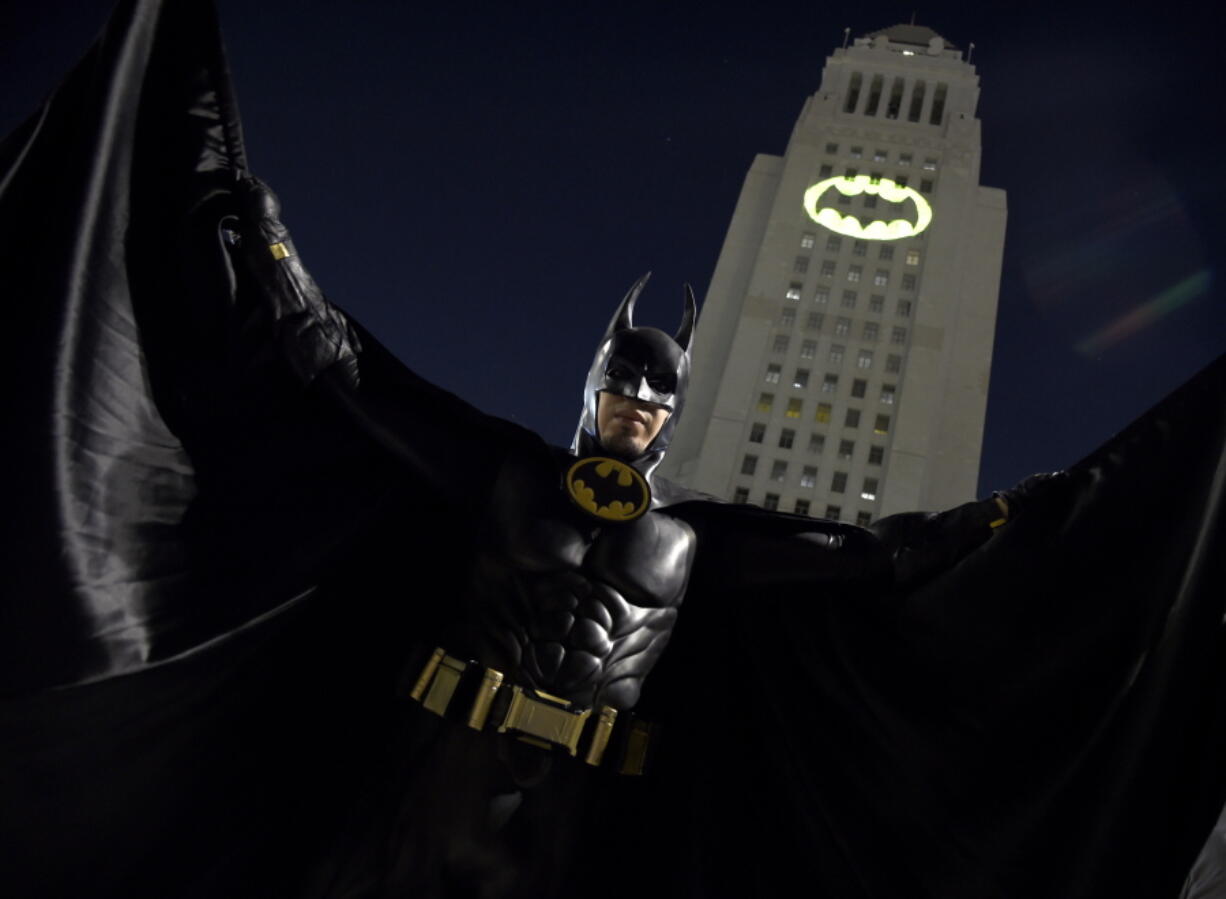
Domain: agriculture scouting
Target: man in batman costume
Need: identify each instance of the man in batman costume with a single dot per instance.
(256, 613)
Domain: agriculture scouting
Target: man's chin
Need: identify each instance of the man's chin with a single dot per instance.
(622, 446)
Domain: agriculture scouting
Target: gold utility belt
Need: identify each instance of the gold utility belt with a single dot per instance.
(453, 688)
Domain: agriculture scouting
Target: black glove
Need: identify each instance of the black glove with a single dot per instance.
(1030, 490)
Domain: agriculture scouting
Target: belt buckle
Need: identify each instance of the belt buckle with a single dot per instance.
(544, 717)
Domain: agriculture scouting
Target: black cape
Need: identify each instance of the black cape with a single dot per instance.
(213, 579)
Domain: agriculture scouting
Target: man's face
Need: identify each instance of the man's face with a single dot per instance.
(627, 426)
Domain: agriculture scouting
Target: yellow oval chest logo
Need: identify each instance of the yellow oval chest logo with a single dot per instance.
(608, 489)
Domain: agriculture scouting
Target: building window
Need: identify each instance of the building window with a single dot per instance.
(823, 413)
(893, 364)
(876, 303)
(802, 507)
(852, 418)
(864, 519)
(808, 476)
(851, 173)
(843, 200)
(772, 373)
(749, 465)
(900, 180)
(808, 349)
(930, 164)
(786, 437)
(886, 253)
(879, 156)
(847, 449)
(807, 240)
(832, 148)
(838, 483)
(860, 247)
(825, 171)
(817, 443)
(765, 401)
(813, 322)
(904, 308)
(801, 379)
(787, 317)
(864, 359)
(870, 201)
(842, 326)
(756, 432)
(876, 454)
(883, 425)
(913, 257)
(779, 470)
(827, 268)
(849, 299)
(836, 354)
(801, 265)
(833, 243)
(904, 159)
(830, 384)
(853, 272)
(908, 282)
(821, 295)
(870, 332)
(869, 490)
(833, 512)
(925, 185)
(888, 392)
(898, 335)
(858, 388)
(882, 278)
(740, 495)
(781, 343)
(793, 292)
(856, 152)
(771, 502)
(793, 409)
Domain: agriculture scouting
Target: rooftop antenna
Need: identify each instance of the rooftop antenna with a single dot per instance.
(969, 50)
(846, 35)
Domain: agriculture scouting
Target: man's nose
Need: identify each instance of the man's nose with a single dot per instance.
(644, 392)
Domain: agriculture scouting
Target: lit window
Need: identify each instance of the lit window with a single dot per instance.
(925, 185)
(870, 332)
(830, 383)
(825, 171)
(779, 470)
(808, 476)
(801, 380)
(813, 322)
(864, 359)
(904, 158)
(883, 425)
(847, 449)
(765, 401)
(832, 148)
(913, 257)
(838, 483)
(793, 291)
(802, 507)
(886, 252)
(807, 240)
(876, 303)
(893, 364)
(853, 272)
(787, 317)
(827, 268)
(856, 152)
(772, 373)
(852, 418)
(869, 491)
(908, 282)
(756, 432)
(858, 388)
(823, 413)
(786, 438)
(836, 354)
(842, 326)
(879, 156)
(740, 495)
(849, 299)
(793, 410)
(817, 443)
(864, 519)
(882, 278)
(833, 512)
(888, 392)
(876, 454)
(808, 349)
(904, 308)
(822, 295)
(898, 335)
(833, 242)
(860, 247)
(781, 343)
(771, 502)
(749, 465)
(930, 164)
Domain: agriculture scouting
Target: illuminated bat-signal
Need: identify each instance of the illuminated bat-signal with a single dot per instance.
(609, 489)
(831, 218)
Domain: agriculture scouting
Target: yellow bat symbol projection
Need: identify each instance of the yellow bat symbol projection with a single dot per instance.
(829, 217)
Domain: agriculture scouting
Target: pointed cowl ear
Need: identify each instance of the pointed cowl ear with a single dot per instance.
(623, 318)
(685, 334)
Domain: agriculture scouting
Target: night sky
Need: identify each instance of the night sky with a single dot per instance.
(479, 184)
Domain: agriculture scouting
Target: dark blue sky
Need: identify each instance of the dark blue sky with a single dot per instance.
(479, 184)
